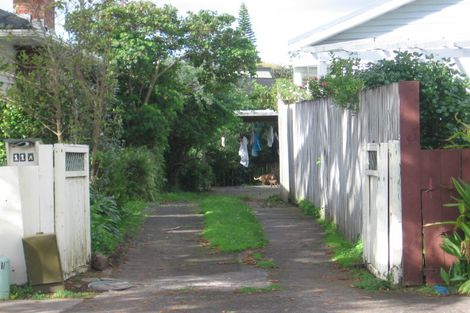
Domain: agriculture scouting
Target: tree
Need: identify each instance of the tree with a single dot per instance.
(244, 23)
(221, 56)
(66, 91)
(144, 42)
(172, 72)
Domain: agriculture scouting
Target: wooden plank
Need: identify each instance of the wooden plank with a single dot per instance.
(451, 167)
(283, 156)
(431, 212)
(395, 213)
(410, 177)
(46, 188)
(466, 165)
(381, 214)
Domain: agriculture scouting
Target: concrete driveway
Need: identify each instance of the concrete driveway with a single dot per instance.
(173, 272)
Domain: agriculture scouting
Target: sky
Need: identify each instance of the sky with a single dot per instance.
(276, 21)
(273, 21)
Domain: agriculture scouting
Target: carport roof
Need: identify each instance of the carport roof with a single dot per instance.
(257, 115)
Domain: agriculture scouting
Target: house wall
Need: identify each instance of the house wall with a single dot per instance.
(446, 19)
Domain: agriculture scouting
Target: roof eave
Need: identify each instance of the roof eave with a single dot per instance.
(24, 37)
(322, 33)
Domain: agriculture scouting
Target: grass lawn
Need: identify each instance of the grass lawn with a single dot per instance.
(180, 197)
(230, 225)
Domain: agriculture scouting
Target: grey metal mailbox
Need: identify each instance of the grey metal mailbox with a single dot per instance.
(21, 152)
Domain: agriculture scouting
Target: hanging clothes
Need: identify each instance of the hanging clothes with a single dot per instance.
(243, 152)
(270, 136)
(275, 146)
(256, 148)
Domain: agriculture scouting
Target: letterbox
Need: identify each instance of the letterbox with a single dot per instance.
(22, 152)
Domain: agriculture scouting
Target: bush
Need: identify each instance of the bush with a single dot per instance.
(110, 223)
(105, 223)
(196, 176)
(309, 209)
(443, 92)
(343, 84)
(290, 93)
(133, 173)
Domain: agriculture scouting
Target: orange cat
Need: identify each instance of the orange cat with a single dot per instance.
(265, 179)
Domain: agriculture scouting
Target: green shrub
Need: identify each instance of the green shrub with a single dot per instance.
(110, 223)
(343, 83)
(105, 223)
(288, 92)
(129, 174)
(196, 176)
(309, 209)
(443, 92)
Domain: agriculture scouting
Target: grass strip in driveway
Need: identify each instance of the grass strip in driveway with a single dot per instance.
(230, 225)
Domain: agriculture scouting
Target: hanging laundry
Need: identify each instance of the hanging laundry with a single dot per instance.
(256, 148)
(275, 146)
(243, 151)
(270, 136)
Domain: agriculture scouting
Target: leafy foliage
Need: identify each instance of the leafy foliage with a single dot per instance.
(111, 223)
(290, 93)
(461, 138)
(129, 174)
(196, 176)
(62, 93)
(367, 281)
(105, 219)
(443, 93)
(175, 75)
(309, 209)
(342, 82)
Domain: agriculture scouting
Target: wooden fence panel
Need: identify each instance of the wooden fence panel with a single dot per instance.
(72, 207)
(326, 143)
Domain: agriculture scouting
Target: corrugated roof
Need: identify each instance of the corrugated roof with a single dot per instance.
(12, 21)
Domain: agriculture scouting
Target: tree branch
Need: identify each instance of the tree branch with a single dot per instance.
(155, 77)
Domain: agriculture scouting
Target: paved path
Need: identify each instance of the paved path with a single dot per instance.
(174, 273)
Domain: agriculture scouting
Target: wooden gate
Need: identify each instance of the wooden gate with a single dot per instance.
(382, 231)
(72, 207)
